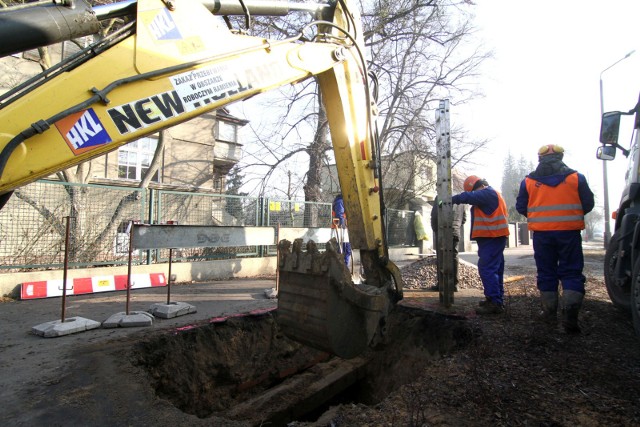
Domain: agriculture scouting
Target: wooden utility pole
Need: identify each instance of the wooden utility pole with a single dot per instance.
(446, 273)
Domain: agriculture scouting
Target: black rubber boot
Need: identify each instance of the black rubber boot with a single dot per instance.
(484, 301)
(549, 303)
(489, 307)
(571, 301)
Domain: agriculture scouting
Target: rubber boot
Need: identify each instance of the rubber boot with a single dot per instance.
(549, 302)
(485, 301)
(571, 301)
(489, 307)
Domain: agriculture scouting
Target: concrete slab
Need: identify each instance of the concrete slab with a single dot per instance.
(57, 328)
(131, 320)
(171, 310)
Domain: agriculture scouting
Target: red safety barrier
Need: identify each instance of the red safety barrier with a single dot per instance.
(90, 285)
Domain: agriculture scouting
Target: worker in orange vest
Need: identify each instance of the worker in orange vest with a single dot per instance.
(555, 198)
(489, 228)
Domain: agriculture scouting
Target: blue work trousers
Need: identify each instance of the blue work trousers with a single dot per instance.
(346, 250)
(491, 266)
(559, 258)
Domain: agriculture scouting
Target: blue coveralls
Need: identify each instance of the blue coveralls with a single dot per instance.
(338, 212)
(490, 249)
(558, 254)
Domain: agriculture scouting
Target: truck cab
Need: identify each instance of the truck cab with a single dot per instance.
(622, 258)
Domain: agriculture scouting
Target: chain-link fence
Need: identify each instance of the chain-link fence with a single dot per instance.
(33, 223)
(289, 213)
(208, 209)
(400, 228)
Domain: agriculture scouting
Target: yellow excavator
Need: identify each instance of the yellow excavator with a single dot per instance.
(170, 61)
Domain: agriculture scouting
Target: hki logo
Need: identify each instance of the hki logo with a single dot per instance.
(83, 131)
(162, 26)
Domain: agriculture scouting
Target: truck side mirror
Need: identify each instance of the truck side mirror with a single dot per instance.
(606, 152)
(610, 128)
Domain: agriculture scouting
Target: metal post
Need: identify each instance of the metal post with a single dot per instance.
(156, 253)
(277, 258)
(605, 183)
(169, 279)
(129, 267)
(445, 210)
(66, 268)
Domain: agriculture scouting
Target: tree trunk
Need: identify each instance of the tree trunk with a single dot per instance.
(316, 150)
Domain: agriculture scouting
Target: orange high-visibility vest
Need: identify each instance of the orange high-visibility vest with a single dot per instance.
(554, 208)
(494, 225)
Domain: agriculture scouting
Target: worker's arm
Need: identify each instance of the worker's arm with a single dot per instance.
(522, 200)
(486, 199)
(586, 195)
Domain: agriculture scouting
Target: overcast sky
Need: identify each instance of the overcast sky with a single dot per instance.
(543, 85)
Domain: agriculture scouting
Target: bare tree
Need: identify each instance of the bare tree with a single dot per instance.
(418, 51)
(593, 223)
(88, 237)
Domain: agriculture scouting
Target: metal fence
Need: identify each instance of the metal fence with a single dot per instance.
(33, 222)
(400, 228)
(206, 209)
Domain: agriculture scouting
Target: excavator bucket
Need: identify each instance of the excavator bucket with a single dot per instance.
(320, 306)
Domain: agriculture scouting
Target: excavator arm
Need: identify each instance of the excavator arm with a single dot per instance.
(174, 61)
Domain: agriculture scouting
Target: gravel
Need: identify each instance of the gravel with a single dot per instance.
(422, 274)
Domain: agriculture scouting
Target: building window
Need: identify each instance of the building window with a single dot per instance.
(426, 172)
(226, 131)
(218, 182)
(135, 158)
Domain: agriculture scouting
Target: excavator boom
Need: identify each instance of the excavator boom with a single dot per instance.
(173, 61)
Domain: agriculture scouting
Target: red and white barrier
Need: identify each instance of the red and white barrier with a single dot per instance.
(90, 285)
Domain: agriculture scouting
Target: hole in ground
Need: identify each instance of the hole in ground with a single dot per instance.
(245, 369)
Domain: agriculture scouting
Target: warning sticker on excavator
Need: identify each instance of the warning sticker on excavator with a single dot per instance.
(206, 85)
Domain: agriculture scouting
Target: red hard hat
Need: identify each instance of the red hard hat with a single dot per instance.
(470, 182)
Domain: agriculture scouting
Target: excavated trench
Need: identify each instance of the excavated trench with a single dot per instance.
(245, 369)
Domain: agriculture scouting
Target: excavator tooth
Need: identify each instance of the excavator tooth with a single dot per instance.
(312, 247)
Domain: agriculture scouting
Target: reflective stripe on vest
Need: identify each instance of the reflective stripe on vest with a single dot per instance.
(494, 225)
(554, 208)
